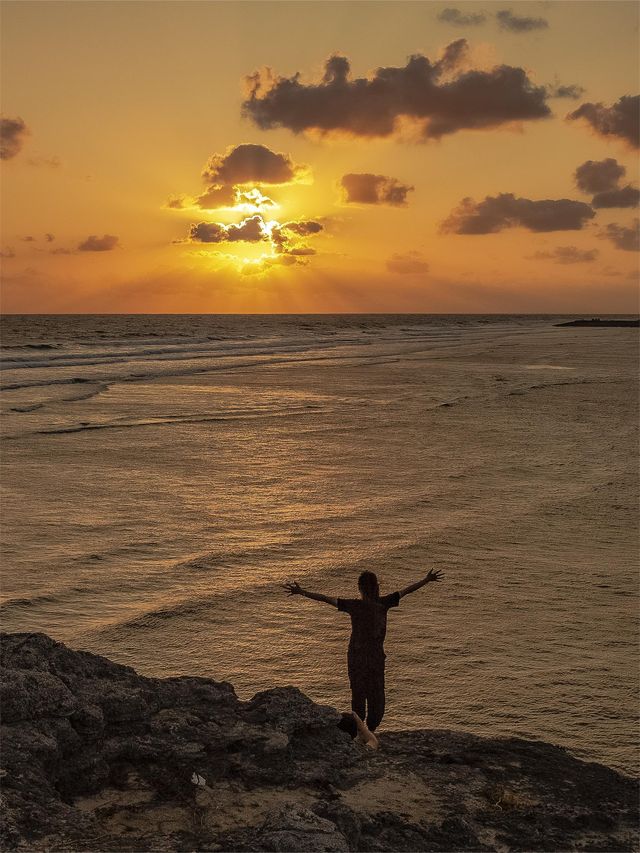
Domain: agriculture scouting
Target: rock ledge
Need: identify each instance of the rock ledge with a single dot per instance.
(96, 757)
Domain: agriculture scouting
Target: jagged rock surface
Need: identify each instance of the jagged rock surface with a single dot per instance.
(96, 757)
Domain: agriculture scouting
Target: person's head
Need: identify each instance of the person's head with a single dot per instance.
(368, 585)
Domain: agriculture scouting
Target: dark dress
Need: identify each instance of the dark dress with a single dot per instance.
(366, 656)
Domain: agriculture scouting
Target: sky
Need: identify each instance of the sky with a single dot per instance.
(333, 156)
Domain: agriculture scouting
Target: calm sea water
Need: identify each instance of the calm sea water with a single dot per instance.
(162, 476)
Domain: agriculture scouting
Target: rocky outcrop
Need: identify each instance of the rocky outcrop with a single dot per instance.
(598, 323)
(96, 757)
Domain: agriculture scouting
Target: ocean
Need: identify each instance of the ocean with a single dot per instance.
(162, 476)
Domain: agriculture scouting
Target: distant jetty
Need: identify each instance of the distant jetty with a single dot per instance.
(97, 757)
(598, 323)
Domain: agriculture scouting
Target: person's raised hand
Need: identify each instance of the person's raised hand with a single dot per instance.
(293, 587)
(434, 576)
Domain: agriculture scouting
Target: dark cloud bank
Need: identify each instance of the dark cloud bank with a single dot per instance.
(365, 188)
(497, 213)
(437, 96)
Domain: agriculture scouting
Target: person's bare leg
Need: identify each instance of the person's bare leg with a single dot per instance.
(364, 735)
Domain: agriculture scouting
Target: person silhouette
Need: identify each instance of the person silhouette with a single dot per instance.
(365, 656)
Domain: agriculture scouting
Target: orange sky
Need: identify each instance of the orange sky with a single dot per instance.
(112, 110)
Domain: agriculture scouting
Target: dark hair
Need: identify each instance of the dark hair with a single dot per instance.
(368, 585)
(348, 724)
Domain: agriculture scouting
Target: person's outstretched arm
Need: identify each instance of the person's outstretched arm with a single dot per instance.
(432, 576)
(294, 588)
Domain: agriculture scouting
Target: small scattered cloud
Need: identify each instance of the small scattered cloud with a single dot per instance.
(497, 213)
(13, 132)
(407, 263)
(304, 227)
(427, 95)
(7, 253)
(623, 237)
(598, 176)
(566, 255)
(374, 189)
(621, 120)
(456, 18)
(571, 91)
(251, 164)
(601, 178)
(518, 24)
(177, 202)
(94, 243)
(626, 196)
(28, 239)
(48, 162)
(63, 251)
(49, 237)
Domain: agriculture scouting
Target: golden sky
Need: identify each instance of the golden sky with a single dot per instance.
(188, 157)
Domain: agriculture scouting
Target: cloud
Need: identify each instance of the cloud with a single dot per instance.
(215, 197)
(254, 198)
(250, 230)
(50, 162)
(177, 202)
(251, 164)
(408, 263)
(7, 253)
(374, 189)
(516, 24)
(62, 251)
(601, 179)
(304, 227)
(459, 19)
(98, 244)
(284, 239)
(621, 120)
(12, 137)
(620, 197)
(560, 90)
(303, 251)
(598, 176)
(623, 237)
(379, 105)
(28, 239)
(496, 213)
(49, 238)
(567, 255)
